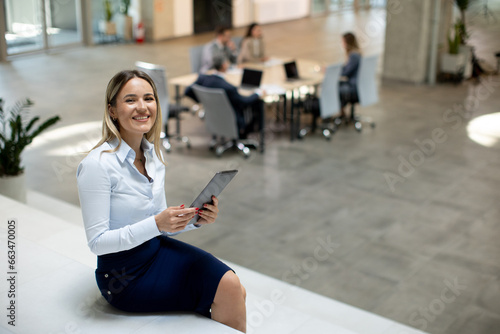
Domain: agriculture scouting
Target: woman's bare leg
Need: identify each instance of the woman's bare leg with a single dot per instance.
(229, 303)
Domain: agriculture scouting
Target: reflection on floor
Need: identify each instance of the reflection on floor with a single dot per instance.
(31, 39)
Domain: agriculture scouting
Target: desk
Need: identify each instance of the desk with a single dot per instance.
(309, 72)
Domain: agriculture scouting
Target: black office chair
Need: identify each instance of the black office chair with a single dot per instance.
(367, 93)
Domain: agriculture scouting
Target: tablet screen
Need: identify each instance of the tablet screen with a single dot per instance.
(213, 188)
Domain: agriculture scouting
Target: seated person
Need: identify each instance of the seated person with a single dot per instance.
(252, 47)
(347, 86)
(238, 101)
(221, 47)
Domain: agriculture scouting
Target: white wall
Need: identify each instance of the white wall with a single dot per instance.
(268, 11)
(183, 17)
(163, 19)
(242, 13)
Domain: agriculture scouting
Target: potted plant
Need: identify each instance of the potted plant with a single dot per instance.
(15, 134)
(463, 48)
(453, 62)
(462, 7)
(107, 26)
(125, 22)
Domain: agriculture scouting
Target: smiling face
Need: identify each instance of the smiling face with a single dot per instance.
(135, 108)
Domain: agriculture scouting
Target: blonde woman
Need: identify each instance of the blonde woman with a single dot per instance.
(140, 267)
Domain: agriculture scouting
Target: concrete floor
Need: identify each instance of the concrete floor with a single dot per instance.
(401, 220)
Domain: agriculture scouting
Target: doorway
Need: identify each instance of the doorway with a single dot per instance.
(210, 14)
(41, 25)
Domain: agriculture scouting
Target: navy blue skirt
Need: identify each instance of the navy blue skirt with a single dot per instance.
(160, 275)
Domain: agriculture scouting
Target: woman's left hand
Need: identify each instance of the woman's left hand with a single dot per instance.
(209, 212)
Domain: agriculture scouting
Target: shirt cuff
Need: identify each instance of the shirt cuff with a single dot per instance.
(187, 228)
(146, 229)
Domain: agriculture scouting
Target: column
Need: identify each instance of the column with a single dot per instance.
(87, 31)
(3, 42)
(408, 38)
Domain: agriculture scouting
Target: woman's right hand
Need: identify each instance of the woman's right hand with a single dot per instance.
(175, 218)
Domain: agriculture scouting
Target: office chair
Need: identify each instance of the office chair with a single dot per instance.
(158, 74)
(220, 120)
(195, 60)
(367, 91)
(237, 41)
(195, 54)
(328, 104)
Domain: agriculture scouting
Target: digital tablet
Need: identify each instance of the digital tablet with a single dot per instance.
(213, 188)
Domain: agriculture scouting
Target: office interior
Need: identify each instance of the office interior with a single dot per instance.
(409, 206)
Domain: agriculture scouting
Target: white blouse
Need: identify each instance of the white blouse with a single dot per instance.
(118, 202)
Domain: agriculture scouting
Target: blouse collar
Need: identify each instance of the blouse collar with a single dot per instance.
(125, 150)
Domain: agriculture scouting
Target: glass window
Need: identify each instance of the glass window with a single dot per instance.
(23, 26)
(318, 6)
(63, 24)
(34, 25)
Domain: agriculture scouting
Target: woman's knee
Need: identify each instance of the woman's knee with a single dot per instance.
(230, 284)
(244, 292)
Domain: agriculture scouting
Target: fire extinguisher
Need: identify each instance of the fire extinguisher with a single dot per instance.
(140, 32)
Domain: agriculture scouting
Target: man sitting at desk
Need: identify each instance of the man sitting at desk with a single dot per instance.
(221, 47)
(239, 102)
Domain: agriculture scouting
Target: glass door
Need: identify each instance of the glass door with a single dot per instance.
(38, 25)
(347, 4)
(378, 3)
(63, 22)
(318, 7)
(335, 5)
(23, 26)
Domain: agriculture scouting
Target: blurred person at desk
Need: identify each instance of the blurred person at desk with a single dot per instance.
(221, 47)
(252, 47)
(238, 102)
(349, 75)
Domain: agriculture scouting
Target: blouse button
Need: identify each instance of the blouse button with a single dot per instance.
(109, 292)
(106, 275)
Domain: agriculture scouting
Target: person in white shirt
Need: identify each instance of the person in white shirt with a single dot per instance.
(140, 268)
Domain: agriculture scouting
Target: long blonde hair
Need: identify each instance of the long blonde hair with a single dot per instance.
(111, 128)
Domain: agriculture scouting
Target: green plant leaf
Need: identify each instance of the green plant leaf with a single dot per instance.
(31, 123)
(48, 123)
(13, 144)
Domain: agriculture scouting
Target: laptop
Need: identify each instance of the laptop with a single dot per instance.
(291, 70)
(250, 79)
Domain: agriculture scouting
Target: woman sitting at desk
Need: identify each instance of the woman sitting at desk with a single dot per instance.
(252, 46)
(348, 81)
(140, 268)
